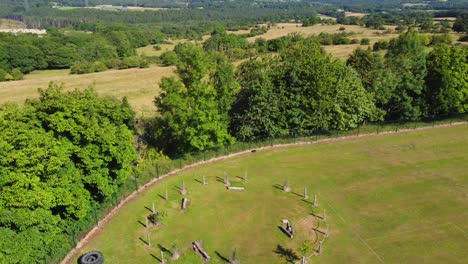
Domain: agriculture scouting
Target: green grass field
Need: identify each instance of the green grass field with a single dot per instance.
(398, 198)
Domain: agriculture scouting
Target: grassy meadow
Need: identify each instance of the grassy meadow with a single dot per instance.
(139, 85)
(397, 198)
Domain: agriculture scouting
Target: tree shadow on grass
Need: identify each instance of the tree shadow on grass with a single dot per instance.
(144, 241)
(286, 253)
(197, 180)
(223, 258)
(279, 187)
(164, 249)
(158, 259)
(219, 179)
(141, 223)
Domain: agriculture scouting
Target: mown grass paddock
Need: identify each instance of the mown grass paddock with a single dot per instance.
(389, 199)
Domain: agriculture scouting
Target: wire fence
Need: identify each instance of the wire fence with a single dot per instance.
(157, 169)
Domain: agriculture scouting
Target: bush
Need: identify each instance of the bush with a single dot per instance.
(130, 62)
(3, 75)
(365, 41)
(381, 45)
(144, 63)
(157, 47)
(444, 38)
(17, 74)
(81, 67)
(99, 66)
(169, 58)
(112, 63)
(463, 38)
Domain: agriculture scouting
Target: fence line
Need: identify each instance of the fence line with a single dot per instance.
(242, 149)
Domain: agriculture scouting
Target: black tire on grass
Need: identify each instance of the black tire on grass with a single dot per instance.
(93, 257)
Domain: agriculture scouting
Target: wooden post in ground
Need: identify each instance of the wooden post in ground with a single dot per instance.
(319, 250)
(148, 238)
(154, 209)
(226, 180)
(167, 195)
(324, 215)
(286, 187)
(328, 229)
(315, 200)
(245, 175)
(162, 258)
(204, 180)
(183, 191)
(146, 223)
(306, 196)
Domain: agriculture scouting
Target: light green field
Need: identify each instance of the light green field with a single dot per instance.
(399, 198)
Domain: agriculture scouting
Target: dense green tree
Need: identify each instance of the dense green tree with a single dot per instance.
(26, 57)
(406, 58)
(40, 186)
(461, 24)
(375, 77)
(447, 80)
(303, 89)
(191, 115)
(98, 128)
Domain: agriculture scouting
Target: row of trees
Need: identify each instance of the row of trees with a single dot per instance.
(62, 155)
(109, 45)
(409, 84)
(302, 89)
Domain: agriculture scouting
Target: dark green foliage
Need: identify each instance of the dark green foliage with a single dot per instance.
(82, 52)
(312, 20)
(194, 107)
(60, 154)
(303, 89)
(441, 39)
(365, 41)
(406, 58)
(461, 24)
(447, 80)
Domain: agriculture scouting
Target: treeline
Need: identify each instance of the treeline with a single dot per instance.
(232, 12)
(236, 46)
(63, 156)
(111, 46)
(302, 89)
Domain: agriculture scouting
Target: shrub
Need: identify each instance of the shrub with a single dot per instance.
(3, 74)
(17, 74)
(99, 66)
(365, 41)
(131, 62)
(144, 63)
(81, 67)
(444, 38)
(112, 63)
(169, 58)
(157, 47)
(463, 38)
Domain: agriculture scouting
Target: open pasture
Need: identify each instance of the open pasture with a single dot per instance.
(397, 198)
(139, 85)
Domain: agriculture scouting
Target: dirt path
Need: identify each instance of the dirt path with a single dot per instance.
(72, 255)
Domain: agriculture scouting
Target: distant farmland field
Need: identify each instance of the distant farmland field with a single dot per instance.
(139, 85)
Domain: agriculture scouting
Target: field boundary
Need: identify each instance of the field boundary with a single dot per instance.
(101, 223)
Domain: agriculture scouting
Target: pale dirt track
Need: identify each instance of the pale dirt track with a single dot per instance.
(72, 255)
